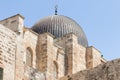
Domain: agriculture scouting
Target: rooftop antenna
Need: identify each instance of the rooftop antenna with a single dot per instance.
(56, 8)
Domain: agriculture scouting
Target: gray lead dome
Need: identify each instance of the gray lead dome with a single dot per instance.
(59, 25)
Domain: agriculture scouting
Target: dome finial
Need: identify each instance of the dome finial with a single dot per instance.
(56, 8)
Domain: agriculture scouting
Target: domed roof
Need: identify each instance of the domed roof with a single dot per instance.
(59, 25)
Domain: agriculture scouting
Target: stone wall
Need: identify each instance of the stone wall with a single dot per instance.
(74, 53)
(7, 52)
(93, 57)
(33, 74)
(15, 23)
(96, 57)
(60, 58)
(45, 54)
(30, 41)
(50, 57)
(79, 61)
(106, 71)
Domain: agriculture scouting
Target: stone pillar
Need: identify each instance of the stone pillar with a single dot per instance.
(45, 55)
(17, 26)
(19, 63)
(89, 57)
(71, 41)
(93, 57)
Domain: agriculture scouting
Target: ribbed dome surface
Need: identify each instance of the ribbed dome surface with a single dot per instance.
(59, 25)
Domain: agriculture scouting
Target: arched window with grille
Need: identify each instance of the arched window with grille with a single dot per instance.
(28, 57)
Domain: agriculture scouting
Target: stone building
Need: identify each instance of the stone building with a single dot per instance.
(54, 48)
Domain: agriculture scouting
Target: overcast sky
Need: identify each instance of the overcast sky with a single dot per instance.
(100, 19)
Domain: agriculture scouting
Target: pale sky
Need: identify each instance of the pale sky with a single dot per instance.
(100, 19)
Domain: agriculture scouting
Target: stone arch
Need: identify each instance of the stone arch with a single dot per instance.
(55, 68)
(29, 56)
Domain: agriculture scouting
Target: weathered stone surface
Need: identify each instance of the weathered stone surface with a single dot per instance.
(7, 52)
(93, 57)
(33, 74)
(107, 71)
(30, 41)
(14, 23)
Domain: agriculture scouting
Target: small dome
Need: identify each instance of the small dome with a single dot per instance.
(59, 25)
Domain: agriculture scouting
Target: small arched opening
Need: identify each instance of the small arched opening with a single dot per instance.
(55, 69)
(29, 56)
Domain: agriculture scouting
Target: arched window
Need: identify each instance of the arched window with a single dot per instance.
(55, 68)
(29, 57)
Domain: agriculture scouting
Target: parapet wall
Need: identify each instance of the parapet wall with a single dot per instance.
(15, 23)
(107, 71)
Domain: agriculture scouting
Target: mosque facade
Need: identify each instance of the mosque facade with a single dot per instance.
(53, 48)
